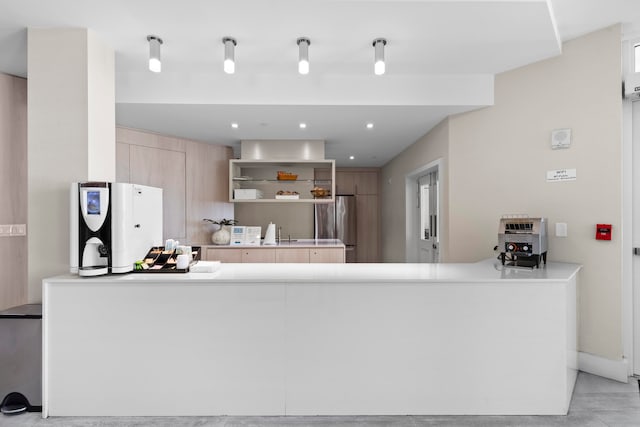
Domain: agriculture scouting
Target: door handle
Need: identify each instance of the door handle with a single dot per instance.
(435, 225)
(430, 225)
(636, 251)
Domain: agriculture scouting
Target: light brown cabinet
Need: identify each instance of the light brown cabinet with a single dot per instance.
(353, 181)
(277, 255)
(122, 162)
(223, 255)
(345, 182)
(310, 255)
(165, 169)
(258, 255)
(13, 180)
(193, 176)
(367, 228)
(326, 255)
(241, 255)
(292, 255)
(364, 184)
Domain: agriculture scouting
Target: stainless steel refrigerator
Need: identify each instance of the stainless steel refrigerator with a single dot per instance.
(338, 221)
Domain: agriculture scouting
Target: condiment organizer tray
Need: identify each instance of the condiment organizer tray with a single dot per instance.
(159, 260)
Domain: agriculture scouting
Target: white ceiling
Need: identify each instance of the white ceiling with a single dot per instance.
(441, 58)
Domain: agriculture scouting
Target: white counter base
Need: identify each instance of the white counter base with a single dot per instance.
(132, 346)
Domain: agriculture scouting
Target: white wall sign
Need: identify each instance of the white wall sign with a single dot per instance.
(561, 175)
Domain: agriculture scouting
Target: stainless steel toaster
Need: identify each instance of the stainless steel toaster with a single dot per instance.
(523, 240)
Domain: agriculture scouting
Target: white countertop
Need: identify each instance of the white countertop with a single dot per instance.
(489, 270)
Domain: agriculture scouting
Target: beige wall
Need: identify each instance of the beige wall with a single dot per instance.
(13, 181)
(433, 146)
(498, 159)
(101, 110)
(63, 132)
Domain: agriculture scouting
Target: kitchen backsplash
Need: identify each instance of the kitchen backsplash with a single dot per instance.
(295, 219)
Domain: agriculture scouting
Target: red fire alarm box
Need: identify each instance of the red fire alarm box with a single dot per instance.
(603, 231)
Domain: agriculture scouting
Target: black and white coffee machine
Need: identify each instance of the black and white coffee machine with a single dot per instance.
(112, 225)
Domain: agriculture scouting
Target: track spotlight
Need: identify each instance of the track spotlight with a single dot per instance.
(229, 53)
(378, 66)
(155, 64)
(303, 55)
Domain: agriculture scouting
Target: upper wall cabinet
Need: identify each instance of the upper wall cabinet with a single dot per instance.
(298, 181)
(354, 181)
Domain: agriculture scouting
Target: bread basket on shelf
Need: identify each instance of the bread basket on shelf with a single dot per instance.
(287, 176)
(320, 193)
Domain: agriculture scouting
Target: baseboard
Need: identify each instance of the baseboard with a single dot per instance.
(596, 365)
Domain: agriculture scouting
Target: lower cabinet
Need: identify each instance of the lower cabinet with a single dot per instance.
(292, 255)
(326, 255)
(281, 255)
(258, 255)
(223, 255)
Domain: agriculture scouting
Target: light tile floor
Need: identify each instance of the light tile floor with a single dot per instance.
(596, 402)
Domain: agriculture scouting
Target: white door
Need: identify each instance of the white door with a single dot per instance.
(428, 241)
(636, 235)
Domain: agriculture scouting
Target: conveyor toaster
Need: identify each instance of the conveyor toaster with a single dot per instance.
(523, 241)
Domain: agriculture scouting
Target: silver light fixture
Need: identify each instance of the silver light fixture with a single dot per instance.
(155, 64)
(378, 66)
(303, 55)
(229, 54)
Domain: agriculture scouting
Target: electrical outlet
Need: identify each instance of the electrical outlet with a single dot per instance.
(5, 230)
(19, 229)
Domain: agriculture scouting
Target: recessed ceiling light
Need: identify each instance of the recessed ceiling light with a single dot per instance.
(303, 125)
(369, 125)
(351, 157)
(234, 125)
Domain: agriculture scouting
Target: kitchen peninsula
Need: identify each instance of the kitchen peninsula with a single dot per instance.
(310, 339)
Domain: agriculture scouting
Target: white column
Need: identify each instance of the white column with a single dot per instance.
(71, 137)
